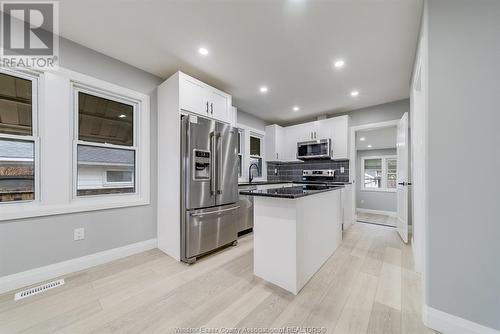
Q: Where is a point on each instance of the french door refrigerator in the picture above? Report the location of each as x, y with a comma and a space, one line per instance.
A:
209, 186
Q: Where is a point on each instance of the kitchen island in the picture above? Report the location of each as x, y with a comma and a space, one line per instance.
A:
296, 229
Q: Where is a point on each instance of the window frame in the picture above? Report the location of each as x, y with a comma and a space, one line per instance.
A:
246, 133
77, 88
54, 187
383, 159
34, 77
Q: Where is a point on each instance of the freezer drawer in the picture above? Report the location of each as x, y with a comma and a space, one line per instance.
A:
208, 229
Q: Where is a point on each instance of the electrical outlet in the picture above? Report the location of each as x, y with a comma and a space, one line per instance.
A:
342, 170
79, 233
276, 171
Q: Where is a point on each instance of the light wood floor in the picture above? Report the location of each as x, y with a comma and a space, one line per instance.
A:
367, 286
376, 219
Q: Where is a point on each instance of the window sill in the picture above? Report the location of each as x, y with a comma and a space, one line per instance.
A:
11, 211
380, 190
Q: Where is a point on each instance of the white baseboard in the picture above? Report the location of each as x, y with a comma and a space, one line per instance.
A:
378, 212
448, 323
32, 276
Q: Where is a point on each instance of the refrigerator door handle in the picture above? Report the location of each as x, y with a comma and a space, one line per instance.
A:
218, 142
214, 212
212, 163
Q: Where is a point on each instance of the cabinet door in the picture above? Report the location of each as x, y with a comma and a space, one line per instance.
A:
219, 106
273, 143
340, 137
193, 96
323, 129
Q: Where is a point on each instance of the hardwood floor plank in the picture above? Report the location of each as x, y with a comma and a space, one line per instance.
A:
356, 313
384, 320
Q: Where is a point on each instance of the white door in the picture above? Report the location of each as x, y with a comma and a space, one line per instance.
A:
402, 187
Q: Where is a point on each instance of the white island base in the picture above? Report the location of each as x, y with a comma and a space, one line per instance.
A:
293, 238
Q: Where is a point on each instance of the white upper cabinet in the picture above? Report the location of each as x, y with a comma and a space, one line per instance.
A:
274, 143
340, 136
193, 95
200, 98
220, 105
281, 143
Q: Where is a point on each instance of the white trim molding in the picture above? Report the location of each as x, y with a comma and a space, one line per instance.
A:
32, 276
378, 212
448, 323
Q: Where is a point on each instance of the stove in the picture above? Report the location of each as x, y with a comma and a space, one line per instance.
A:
322, 176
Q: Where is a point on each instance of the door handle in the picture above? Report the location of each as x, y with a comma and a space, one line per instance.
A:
404, 183
212, 108
218, 143
214, 212
212, 162
207, 107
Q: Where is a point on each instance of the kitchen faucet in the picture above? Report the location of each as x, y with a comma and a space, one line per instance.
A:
250, 177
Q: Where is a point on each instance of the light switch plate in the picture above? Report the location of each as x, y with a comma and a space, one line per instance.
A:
79, 234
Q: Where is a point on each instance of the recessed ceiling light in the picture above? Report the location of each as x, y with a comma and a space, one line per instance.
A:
369, 146
354, 93
122, 116
362, 139
203, 51
339, 63
263, 89
296, 108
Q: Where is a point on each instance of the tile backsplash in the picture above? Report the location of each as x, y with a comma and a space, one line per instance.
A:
292, 171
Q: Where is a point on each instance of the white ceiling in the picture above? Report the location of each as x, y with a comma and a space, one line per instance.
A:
288, 45
377, 138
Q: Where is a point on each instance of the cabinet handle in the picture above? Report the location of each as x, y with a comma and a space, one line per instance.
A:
207, 107
212, 108
276, 155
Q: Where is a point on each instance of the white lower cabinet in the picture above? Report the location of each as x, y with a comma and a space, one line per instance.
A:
347, 206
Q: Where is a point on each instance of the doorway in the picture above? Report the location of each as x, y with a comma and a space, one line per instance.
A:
376, 189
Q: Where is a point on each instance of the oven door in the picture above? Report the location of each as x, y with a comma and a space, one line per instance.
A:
315, 149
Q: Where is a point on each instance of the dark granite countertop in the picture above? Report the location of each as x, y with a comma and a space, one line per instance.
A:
291, 192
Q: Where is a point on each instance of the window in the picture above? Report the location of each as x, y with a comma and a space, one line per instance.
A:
392, 168
106, 153
379, 173
17, 137
373, 173
255, 155
240, 153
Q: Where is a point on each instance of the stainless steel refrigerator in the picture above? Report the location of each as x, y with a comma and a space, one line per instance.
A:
209, 186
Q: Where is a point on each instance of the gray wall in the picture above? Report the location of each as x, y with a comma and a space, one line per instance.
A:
463, 232
250, 120
379, 113
374, 200
373, 114
31, 243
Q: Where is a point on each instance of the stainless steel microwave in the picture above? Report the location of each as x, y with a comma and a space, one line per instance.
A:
315, 149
